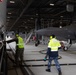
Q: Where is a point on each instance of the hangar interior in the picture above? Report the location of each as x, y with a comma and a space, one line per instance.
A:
22, 14
25, 16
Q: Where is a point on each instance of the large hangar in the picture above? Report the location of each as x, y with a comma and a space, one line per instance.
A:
22, 14
39, 18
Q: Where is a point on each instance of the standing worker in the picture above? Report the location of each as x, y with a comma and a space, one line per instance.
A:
19, 49
52, 53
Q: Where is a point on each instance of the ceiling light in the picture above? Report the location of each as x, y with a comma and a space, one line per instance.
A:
8, 17
51, 4
12, 1
36, 14
31, 18
9, 13
61, 16
60, 26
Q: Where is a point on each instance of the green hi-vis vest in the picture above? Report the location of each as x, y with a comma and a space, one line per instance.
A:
54, 44
20, 42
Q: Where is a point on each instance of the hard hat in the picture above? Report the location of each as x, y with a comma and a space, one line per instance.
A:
17, 35
51, 37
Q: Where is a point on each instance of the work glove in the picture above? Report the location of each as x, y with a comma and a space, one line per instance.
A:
44, 59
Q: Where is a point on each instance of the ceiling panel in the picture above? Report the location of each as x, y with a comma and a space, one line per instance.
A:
21, 14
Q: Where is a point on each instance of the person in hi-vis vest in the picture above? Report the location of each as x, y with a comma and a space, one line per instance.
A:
52, 53
19, 49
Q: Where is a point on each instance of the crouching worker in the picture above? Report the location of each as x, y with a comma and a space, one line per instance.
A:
52, 53
19, 50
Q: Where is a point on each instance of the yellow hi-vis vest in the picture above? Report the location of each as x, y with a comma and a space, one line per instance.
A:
54, 44
20, 42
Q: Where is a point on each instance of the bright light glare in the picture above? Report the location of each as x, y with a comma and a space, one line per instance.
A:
12, 1
51, 4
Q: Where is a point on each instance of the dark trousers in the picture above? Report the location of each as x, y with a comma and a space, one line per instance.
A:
56, 63
19, 55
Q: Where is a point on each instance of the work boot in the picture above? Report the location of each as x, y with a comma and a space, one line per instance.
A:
48, 70
59, 72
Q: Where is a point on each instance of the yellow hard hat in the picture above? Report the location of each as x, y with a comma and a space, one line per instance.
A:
17, 35
51, 37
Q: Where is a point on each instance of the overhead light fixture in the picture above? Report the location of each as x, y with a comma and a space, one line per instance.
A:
36, 14
8, 17
12, 1
51, 4
61, 16
60, 26
9, 13
31, 18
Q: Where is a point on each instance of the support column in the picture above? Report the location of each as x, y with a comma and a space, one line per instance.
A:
37, 27
3, 5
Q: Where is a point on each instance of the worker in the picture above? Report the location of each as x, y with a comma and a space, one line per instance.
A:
19, 49
52, 53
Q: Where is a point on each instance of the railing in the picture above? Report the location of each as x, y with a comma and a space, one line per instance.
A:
3, 59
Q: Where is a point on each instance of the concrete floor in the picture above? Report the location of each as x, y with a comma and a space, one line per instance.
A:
68, 60
12, 68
